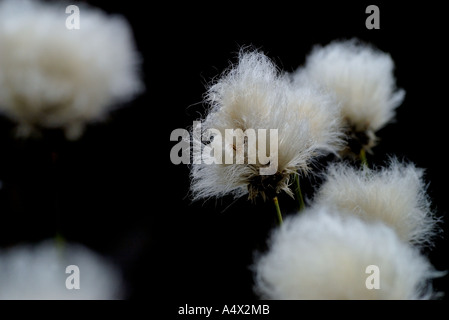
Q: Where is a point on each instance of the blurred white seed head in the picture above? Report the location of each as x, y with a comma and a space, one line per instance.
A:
362, 77
322, 255
395, 194
38, 272
254, 95
53, 77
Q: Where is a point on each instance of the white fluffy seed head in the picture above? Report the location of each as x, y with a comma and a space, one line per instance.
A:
395, 194
254, 95
53, 77
320, 254
38, 272
322, 111
362, 77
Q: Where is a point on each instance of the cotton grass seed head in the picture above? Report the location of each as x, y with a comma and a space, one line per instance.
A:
38, 272
321, 254
395, 194
53, 77
362, 77
255, 95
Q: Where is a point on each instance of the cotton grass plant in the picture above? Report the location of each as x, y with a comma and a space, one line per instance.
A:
52, 77
359, 216
395, 194
37, 271
254, 94
362, 78
323, 254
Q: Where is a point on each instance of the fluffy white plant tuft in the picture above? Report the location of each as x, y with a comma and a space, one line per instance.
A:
362, 77
53, 77
38, 272
322, 255
395, 194
254, 94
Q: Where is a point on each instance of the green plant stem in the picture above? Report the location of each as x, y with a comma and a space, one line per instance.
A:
299, 193
362, 157
278, 210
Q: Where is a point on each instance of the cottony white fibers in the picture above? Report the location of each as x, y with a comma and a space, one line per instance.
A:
362, 79
395, 194
254, 95
322, 112
53, 77
320, 255
38, 272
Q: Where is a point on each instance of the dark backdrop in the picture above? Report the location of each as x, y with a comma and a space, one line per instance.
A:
116, 191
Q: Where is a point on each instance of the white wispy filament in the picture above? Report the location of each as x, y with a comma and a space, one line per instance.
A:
38, 272
395, 194
254, 95
362, 77
322, 255
53, 77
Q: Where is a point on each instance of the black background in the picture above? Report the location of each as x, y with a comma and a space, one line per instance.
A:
116, 191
